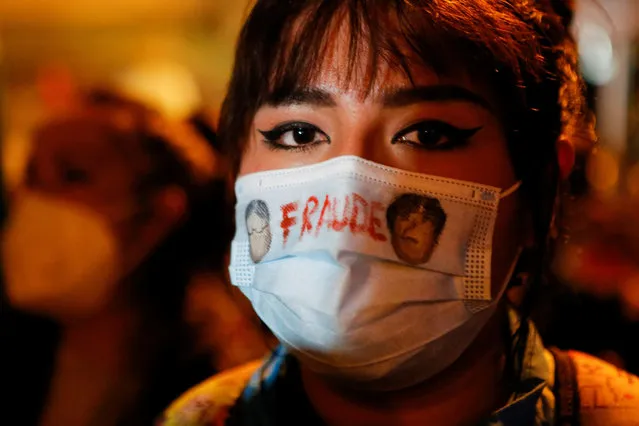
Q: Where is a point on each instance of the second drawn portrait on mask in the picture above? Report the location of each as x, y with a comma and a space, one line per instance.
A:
415, 223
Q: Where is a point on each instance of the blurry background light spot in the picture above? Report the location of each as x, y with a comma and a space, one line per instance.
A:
596, 53
16, 148
167, 86
602, 170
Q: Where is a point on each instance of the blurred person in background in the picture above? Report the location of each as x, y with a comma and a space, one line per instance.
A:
117, 211
337, 108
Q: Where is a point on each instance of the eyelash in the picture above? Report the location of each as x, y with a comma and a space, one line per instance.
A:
272, 138
455, 137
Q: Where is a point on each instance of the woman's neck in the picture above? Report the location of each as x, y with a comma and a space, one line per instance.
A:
472, 388
93, 365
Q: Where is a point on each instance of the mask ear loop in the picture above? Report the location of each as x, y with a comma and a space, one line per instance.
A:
510, 190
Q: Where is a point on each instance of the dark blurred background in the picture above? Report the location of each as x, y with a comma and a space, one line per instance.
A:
176, 55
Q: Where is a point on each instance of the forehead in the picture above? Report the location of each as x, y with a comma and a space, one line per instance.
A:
254, 216
412, 215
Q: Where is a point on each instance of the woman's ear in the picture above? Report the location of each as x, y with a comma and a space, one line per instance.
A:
565, 157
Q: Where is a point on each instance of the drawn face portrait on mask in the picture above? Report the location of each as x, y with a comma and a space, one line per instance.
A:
415, 223
258, 228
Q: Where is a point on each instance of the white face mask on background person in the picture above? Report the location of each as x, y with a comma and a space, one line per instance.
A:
59, 258
372, 275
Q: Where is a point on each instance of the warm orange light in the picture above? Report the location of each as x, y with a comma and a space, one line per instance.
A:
603, 170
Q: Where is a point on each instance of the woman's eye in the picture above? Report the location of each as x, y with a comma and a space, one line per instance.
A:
434, 134
294, 136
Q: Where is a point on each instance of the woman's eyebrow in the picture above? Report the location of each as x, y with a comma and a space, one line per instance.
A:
306, 96
404, 96
390, 98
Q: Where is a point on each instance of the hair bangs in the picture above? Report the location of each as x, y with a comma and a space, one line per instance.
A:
285, 45
444, 36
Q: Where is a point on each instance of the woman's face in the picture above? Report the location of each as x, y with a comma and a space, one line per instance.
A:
413, 237
77, 161
443, 125
80, 163
259, 236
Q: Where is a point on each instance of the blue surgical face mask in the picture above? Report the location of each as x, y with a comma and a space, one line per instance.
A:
368, 274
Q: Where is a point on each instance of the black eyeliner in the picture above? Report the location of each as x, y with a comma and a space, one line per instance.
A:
271, 137
456, 136
277, 131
